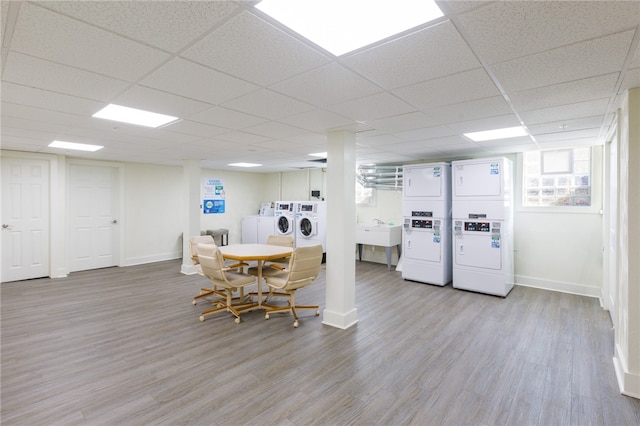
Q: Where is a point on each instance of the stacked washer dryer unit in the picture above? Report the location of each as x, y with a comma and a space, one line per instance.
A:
311, 220
426, 210
285, 217
483, 225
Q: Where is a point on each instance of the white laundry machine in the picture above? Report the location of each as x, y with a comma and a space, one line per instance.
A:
285, 218
483, 225
426, 233
311, 219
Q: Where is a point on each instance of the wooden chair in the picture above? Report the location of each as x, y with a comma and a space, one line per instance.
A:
223, 277
303, 269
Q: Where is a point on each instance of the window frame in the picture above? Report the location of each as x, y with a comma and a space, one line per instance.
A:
595, 185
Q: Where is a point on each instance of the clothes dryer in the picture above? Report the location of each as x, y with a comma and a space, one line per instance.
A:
426, 233
483, 225
285, 217
311, 219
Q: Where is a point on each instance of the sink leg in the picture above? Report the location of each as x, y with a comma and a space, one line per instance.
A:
388, 258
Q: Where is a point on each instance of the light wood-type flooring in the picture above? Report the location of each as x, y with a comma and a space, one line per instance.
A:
123, 346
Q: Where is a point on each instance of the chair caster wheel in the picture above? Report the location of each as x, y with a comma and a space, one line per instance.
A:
266, 316
237, 320
317, 312
193, 302
201, 317
295, 324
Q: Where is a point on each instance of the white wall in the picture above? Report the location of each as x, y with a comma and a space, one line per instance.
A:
152, 215
244, 194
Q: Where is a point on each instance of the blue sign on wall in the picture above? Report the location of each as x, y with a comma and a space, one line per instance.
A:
213, 206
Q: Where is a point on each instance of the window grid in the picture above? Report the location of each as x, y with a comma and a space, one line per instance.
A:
559, 189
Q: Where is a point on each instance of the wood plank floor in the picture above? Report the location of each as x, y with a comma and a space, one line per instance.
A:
123, 346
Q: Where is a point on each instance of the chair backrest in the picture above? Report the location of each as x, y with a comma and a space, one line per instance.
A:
304, 265
280, 240
193, 245
211, 261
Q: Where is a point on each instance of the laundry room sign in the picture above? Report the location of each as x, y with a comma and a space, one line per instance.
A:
213, 196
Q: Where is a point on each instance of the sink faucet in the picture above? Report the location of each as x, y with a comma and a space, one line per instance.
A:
378, 221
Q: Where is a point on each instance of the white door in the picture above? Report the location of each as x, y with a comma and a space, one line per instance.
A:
422, 182
92, 216
422, 245
25, 219
478, 179
478, 250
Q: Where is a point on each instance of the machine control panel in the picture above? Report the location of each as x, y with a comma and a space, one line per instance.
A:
306, 208
421, 224
421, 214
477, 226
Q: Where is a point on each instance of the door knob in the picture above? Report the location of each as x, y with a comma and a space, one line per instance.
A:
114, 221
5, 226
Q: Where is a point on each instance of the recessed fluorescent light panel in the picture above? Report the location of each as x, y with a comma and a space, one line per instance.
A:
489, 135
319, 154
341, 26
244, 165
75, 146
133, 116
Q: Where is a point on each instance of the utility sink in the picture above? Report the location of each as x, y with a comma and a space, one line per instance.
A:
378, 234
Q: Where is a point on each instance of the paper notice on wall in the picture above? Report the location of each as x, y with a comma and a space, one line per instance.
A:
213, 196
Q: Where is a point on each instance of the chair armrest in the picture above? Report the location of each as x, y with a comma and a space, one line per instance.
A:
236, 266
276, 266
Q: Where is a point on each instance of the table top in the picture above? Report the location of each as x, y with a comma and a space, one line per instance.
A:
254, 251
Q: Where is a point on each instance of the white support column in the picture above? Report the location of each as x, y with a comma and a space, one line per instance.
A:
191, 178
340, 308
627, 333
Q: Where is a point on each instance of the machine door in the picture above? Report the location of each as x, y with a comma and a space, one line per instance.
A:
479, 249
423, 182
307, 228
284, 225
477, 179
422, 245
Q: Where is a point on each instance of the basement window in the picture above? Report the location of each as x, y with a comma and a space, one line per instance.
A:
557, 178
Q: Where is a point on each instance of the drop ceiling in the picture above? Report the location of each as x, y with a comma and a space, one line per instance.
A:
249, 90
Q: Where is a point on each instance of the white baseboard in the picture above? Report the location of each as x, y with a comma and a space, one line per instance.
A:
560, 286
339, 320
151, 259
628, 383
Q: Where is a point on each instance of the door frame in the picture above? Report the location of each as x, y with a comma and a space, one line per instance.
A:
119, 246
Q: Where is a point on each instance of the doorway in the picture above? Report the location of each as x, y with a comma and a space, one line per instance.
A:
25, 219
93, 217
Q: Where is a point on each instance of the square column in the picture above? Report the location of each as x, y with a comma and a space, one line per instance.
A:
340, 311
191, 177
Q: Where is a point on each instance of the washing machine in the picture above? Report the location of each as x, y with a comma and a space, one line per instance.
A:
285, 218
311, 219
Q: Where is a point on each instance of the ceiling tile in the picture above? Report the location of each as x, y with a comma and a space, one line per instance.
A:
427, 54
511, 29
152, 22
269, 104
194, 128
576, 124
565, 112
317, 121
159, 102
489, 123
452, 89
195, 81
425, 133
226, 118
466, 111
372, 107
37, 73
568, 135
276, 130
252, 49
326, 85
595, 57
565, 93
38, 98
398, 123
57, 38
